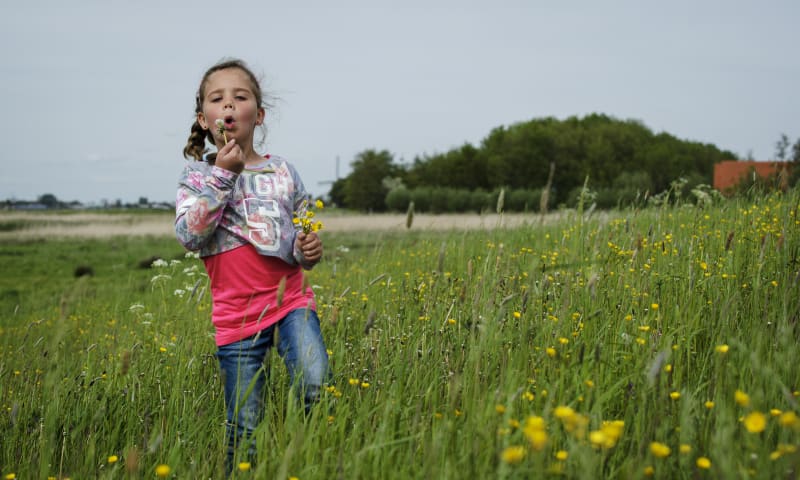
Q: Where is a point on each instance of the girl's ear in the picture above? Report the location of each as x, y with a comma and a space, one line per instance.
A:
260, 115
201, 119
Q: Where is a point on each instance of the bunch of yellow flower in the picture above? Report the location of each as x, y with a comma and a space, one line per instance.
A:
305, 217
573, 422
536, 432
607, 435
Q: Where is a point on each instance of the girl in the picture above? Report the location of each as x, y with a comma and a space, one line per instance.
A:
236, 209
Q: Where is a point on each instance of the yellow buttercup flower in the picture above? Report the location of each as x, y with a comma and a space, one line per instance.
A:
741, 398
704, 463
528, 396
244, 466
755, 422
789, 419
113, 459
513, 455
564, 413
659, 450
598, 438
163, 471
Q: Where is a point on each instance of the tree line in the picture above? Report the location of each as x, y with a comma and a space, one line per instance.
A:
533, 164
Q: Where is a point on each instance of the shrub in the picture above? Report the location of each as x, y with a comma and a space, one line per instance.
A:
397, 199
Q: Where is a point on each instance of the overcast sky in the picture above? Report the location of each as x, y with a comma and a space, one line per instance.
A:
99, 94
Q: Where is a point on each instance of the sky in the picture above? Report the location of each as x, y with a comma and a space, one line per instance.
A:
100, 94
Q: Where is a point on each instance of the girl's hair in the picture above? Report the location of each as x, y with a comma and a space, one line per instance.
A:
196, 146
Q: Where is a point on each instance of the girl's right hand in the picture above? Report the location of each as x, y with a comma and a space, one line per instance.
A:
230, 157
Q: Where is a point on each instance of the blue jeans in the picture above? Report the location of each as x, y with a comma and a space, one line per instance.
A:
244, 372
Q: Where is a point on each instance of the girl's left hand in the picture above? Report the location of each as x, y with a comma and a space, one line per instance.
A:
310, 245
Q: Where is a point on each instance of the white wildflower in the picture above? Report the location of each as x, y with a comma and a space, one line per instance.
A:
179, 292
158, 263
136, 307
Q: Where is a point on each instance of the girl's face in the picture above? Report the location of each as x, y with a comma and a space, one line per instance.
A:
228, 96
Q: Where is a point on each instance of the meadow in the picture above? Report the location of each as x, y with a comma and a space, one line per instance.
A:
652, 343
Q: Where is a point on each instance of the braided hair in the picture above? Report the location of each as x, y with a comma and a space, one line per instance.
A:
196, 145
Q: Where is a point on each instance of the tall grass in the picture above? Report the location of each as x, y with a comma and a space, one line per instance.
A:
649, 343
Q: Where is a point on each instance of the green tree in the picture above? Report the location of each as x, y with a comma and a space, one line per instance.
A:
49, 200
781, 148
364, 188
336, 193
518, 157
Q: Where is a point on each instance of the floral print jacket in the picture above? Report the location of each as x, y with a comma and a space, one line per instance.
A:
218, 210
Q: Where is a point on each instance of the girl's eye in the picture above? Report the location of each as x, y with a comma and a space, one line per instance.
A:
241, 97
215, 99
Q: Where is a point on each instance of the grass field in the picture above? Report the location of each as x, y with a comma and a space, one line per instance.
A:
660, 343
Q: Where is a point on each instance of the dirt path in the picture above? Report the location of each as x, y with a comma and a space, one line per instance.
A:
99, 225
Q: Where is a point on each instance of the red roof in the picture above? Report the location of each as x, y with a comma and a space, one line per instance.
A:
729, 173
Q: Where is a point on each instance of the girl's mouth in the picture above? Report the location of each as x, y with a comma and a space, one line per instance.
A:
229, 122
